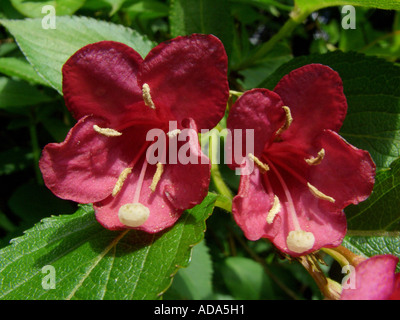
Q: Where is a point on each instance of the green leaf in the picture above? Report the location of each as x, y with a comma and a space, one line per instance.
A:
246, 279
15, 67
202, 16
195, 281
33, 8
313, 5
15, 94
91, 262
371, 86
369, 246
380, 212
48, 49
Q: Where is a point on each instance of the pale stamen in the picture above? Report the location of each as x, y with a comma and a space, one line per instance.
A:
312, 189
157, 176
298, 240
313, 161
135, 214
276, 207
318, 194
288, 121
106, 131
148, 101
262, 166
173, 133
121, 179
291, 208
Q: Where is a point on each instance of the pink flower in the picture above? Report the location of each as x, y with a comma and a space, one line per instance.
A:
375, 279
304, 172
117, 98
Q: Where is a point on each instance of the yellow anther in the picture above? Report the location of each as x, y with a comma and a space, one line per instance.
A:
276, 207
133, 214
262, 166
300, 241
157, 176
148, 101
317, 160
173, 133
318, 194
288, 121
106, 131
121, 179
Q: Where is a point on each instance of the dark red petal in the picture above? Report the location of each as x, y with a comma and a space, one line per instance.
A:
314, 94
100, 79
325, 221
186, 184
251, 206
187, 77
346, 173
85, 167
162, 212
257, 109
374, 279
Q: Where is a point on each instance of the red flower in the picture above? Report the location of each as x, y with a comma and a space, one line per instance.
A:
117, 97
375, 279
304, 173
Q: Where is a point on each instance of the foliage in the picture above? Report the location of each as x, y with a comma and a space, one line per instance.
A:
264, 40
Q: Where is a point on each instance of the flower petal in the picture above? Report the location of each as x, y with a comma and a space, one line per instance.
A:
346, 173
314, 94
187, 77
85, 167
186, 183
375, 278
320, 217
100, 79
257, 109
162, 212
250, 208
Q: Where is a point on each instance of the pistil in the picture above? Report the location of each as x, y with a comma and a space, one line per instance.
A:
298, 240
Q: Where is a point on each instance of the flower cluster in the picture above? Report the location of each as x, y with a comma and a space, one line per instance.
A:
304, 174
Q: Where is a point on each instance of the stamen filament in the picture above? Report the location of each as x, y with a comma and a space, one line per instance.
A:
315, 192
106, 131
140, 182
291, 208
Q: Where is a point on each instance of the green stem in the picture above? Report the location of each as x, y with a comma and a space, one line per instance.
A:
296, 17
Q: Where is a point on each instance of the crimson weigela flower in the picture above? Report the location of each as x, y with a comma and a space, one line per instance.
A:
304, 172
375, 279
117, 98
